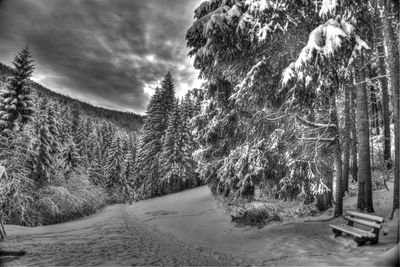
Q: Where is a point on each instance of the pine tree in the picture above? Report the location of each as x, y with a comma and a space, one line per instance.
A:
16, 100
80, 140
75, 117
157, 113
65, 125
42, 147
127, 175
167, 98
177, 166
70, 159
107, 131
93, 145
188, 145
53, 126
97, 170
114, 161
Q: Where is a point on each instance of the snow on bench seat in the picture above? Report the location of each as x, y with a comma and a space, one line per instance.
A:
353, 231
363, 222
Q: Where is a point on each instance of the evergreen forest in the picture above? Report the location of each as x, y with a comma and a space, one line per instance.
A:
300, 103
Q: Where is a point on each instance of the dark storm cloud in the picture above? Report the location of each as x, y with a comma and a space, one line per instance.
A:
106, 52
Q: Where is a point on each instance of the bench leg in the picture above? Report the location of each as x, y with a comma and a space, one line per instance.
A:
337, 232
376, 239
360, 241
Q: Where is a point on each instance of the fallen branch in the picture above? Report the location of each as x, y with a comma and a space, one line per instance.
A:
322, 220
12, 253
316, 139
274, 119
368, 80
315, 124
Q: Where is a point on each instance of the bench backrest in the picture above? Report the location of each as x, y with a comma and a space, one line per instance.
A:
357, 217
366, 216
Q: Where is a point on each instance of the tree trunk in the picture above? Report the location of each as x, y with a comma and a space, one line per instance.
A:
337, 163
347, 141
385, 107
354, 163
374, 109
384, 87
364, 201
392, 58
396, 193
324, 201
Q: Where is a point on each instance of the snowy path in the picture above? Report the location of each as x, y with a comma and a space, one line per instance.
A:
110, 238
183, 229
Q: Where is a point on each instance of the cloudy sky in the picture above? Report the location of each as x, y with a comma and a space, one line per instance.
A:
111, 53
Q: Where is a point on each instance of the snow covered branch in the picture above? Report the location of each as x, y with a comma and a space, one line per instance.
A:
315, 124
318, 139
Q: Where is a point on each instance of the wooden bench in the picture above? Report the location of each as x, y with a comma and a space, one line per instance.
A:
360, 236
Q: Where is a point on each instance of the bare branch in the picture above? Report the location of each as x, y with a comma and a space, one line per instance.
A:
316, 139
274, 119
378, 77
315, 124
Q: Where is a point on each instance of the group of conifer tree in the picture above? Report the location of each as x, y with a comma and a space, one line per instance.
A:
164, 158
51, 149
61, 163
296, 92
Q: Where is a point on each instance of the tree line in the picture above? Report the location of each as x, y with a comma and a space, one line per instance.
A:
165, 151
63, 159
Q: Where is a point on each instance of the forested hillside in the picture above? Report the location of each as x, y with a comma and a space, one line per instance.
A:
64, 158
127, 120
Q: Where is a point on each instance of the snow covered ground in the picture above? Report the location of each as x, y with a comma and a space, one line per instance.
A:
189, 228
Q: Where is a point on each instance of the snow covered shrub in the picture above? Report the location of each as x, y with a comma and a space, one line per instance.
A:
91, 198
259, 214
17, 200
17, 190
301, 211
57, 204
115, 195
75, 199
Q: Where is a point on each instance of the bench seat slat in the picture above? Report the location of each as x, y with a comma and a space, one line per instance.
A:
365, 216
363, 222
353, 231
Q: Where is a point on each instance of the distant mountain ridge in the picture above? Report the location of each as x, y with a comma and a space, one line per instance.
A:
127, 120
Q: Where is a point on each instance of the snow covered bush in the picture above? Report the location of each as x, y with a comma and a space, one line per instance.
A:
17, 190
75, 199
17, 200
259, 214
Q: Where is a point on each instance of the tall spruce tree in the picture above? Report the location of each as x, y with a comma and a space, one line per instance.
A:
167, 98
177, 165
98, 168
115, 160
158, 111
16, 100
53, 126
127, 176
70, 159
42, 146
